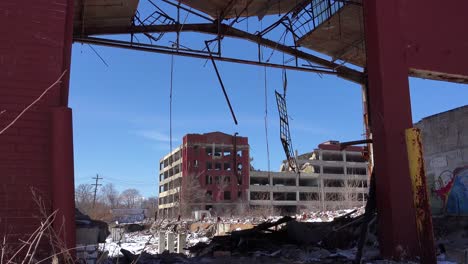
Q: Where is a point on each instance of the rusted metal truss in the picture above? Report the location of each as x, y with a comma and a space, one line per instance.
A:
148, 32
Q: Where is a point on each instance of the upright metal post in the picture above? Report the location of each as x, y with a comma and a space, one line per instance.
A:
390, 108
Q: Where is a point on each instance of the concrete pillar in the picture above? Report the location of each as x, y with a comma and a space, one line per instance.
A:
161, 242
170, 242
181, 243
322, 192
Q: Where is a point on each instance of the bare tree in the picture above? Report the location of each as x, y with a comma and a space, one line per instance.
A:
191, 194
84, 197
110, 195
131, 198
151, 205
222, 182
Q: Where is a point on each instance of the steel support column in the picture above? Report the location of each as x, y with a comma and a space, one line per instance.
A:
390, 115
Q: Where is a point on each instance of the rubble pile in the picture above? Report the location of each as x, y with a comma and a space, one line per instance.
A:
305, 238
289, 239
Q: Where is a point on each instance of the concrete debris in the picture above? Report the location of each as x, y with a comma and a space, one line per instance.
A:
288, 239
305, 238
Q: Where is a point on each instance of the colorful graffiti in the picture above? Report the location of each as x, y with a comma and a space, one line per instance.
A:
452, 188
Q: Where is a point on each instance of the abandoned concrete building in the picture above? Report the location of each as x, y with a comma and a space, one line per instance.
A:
330, 178
445, 148
207, 171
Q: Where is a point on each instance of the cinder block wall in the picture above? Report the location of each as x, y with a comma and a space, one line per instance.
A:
35, 45
445, 143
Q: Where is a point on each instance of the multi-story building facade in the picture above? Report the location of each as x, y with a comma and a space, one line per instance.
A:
330, 178
207, 171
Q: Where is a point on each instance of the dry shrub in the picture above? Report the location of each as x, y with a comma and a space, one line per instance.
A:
45, 235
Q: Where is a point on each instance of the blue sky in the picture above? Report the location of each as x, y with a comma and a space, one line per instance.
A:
121, 112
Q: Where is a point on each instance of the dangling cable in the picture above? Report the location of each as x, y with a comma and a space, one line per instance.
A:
266, 120
170, 103
266, 111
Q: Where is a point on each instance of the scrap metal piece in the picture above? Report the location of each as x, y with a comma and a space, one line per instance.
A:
285, 136
420, 195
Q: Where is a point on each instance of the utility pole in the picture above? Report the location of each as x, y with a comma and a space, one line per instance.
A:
95, 187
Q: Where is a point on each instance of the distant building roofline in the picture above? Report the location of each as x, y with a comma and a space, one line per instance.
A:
442, 113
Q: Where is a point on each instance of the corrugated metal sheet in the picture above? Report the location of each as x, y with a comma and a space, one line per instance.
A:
92, 14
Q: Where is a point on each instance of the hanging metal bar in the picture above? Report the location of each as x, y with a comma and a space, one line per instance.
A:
221, 83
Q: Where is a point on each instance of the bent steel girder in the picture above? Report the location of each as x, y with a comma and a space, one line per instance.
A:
221, 30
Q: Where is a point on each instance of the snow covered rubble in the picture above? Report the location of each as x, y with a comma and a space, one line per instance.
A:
147, 240
212, 248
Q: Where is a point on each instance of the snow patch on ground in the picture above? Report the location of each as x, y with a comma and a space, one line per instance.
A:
135, 242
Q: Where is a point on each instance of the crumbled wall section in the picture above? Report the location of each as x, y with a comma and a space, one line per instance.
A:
445, 143
35, 45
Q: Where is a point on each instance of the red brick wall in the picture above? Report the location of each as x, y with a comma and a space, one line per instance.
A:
35, 45
190, 154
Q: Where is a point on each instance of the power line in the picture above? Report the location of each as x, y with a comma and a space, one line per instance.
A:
95, 187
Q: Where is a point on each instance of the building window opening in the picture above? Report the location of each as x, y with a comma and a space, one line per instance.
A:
208, 179
209, 151
356, 171
209, 166
260, 196
239, 166
239, 179
284, 182
333, 183
218, 166
308, 182
334, 197
227, 166
357, 183
227, 179
333, 170
227, 153
355, 157
209, 195
258, 181
217, 152
309, 196
284, 196
195, 163
239, 153
227, 195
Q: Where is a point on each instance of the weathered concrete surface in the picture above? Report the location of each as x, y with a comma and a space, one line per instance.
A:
445, 146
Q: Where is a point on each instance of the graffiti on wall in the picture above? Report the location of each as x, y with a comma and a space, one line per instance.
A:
452, 189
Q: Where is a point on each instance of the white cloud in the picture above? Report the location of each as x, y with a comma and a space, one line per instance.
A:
155, 135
